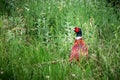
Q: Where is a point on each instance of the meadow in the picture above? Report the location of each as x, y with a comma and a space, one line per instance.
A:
36, 37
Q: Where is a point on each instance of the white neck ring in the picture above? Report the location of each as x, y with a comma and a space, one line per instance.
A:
78, 38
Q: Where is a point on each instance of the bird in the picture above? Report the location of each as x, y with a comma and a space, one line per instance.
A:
79, 47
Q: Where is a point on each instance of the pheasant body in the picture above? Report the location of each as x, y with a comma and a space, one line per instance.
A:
79, 48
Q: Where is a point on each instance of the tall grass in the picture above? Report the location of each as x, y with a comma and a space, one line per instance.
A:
37, 37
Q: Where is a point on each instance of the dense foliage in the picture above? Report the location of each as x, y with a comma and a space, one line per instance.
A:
36, 37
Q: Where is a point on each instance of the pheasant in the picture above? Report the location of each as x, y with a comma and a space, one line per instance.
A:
79, 48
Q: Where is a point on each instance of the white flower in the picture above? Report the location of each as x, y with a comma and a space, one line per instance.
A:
1, 72
73, 75
47, 76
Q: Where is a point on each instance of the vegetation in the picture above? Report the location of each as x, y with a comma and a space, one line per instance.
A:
36, 37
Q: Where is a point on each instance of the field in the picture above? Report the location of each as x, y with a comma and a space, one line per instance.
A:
36, 37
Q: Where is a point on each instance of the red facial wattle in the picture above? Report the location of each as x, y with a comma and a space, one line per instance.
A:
76, 29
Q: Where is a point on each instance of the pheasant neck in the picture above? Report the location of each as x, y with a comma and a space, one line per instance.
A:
78, 37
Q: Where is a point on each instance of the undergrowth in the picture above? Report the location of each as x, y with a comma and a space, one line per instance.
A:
36, 39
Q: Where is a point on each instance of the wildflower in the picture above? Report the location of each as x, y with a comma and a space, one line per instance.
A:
47, 76
1, 72
73, 75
